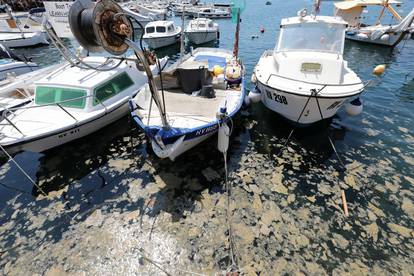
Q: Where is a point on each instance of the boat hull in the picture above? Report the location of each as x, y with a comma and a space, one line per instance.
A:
201, 37
68, 134
160, 42
391, 41
16, 67
290, 105
209, 15
178, 144
17, 41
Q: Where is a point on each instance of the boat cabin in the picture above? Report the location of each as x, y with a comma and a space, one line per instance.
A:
160, 28
86, 90
320, 34
201, 24
310, 49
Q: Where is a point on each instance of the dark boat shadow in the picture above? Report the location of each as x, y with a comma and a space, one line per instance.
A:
195, 171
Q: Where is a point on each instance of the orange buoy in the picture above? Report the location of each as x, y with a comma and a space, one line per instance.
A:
379, 69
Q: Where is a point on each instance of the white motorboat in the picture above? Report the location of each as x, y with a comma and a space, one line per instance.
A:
202, 30
209, 12
195, 103
159, 34
70, 103
387, 35
305, 78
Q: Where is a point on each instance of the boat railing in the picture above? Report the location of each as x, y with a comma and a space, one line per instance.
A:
8, 111
313, 83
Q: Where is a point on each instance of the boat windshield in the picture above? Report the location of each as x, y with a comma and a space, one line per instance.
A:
312, 37
67, 97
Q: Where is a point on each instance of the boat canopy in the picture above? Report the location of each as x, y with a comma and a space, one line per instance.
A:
351, 10
351, 4
320, 34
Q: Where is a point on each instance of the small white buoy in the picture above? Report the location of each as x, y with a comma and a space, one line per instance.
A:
354, 107
247, 101
223, 138
254, 96
385, 37
362, 36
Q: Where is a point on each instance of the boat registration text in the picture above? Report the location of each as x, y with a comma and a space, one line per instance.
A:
276, 97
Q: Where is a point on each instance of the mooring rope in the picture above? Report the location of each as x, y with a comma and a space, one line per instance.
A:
234, 253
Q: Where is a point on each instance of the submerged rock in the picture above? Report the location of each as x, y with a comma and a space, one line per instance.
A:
372, 231
95, 219
399, 229
210, 174
339, 241
408, 207
377, 211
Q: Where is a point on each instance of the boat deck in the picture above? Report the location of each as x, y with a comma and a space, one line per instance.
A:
187, 111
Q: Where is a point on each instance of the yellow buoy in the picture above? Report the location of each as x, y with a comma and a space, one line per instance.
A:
379, 69
217, 70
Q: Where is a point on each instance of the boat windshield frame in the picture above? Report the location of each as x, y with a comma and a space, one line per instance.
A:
336, 46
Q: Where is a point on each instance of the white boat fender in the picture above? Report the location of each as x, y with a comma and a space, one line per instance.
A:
254, 78
223, 131
385, 37
223, 138
254, 96
354, 107
362, 36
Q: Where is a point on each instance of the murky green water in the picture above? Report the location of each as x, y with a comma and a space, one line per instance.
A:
114, 209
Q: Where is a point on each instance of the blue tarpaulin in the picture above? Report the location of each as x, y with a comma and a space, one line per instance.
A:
212, 60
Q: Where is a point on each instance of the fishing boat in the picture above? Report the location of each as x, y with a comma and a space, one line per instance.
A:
11, 64
159, 34
195, 102
377, 33
70, 103
202, 30
305, 78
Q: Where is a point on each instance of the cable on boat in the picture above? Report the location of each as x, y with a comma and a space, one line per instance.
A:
72, 58
23, 171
